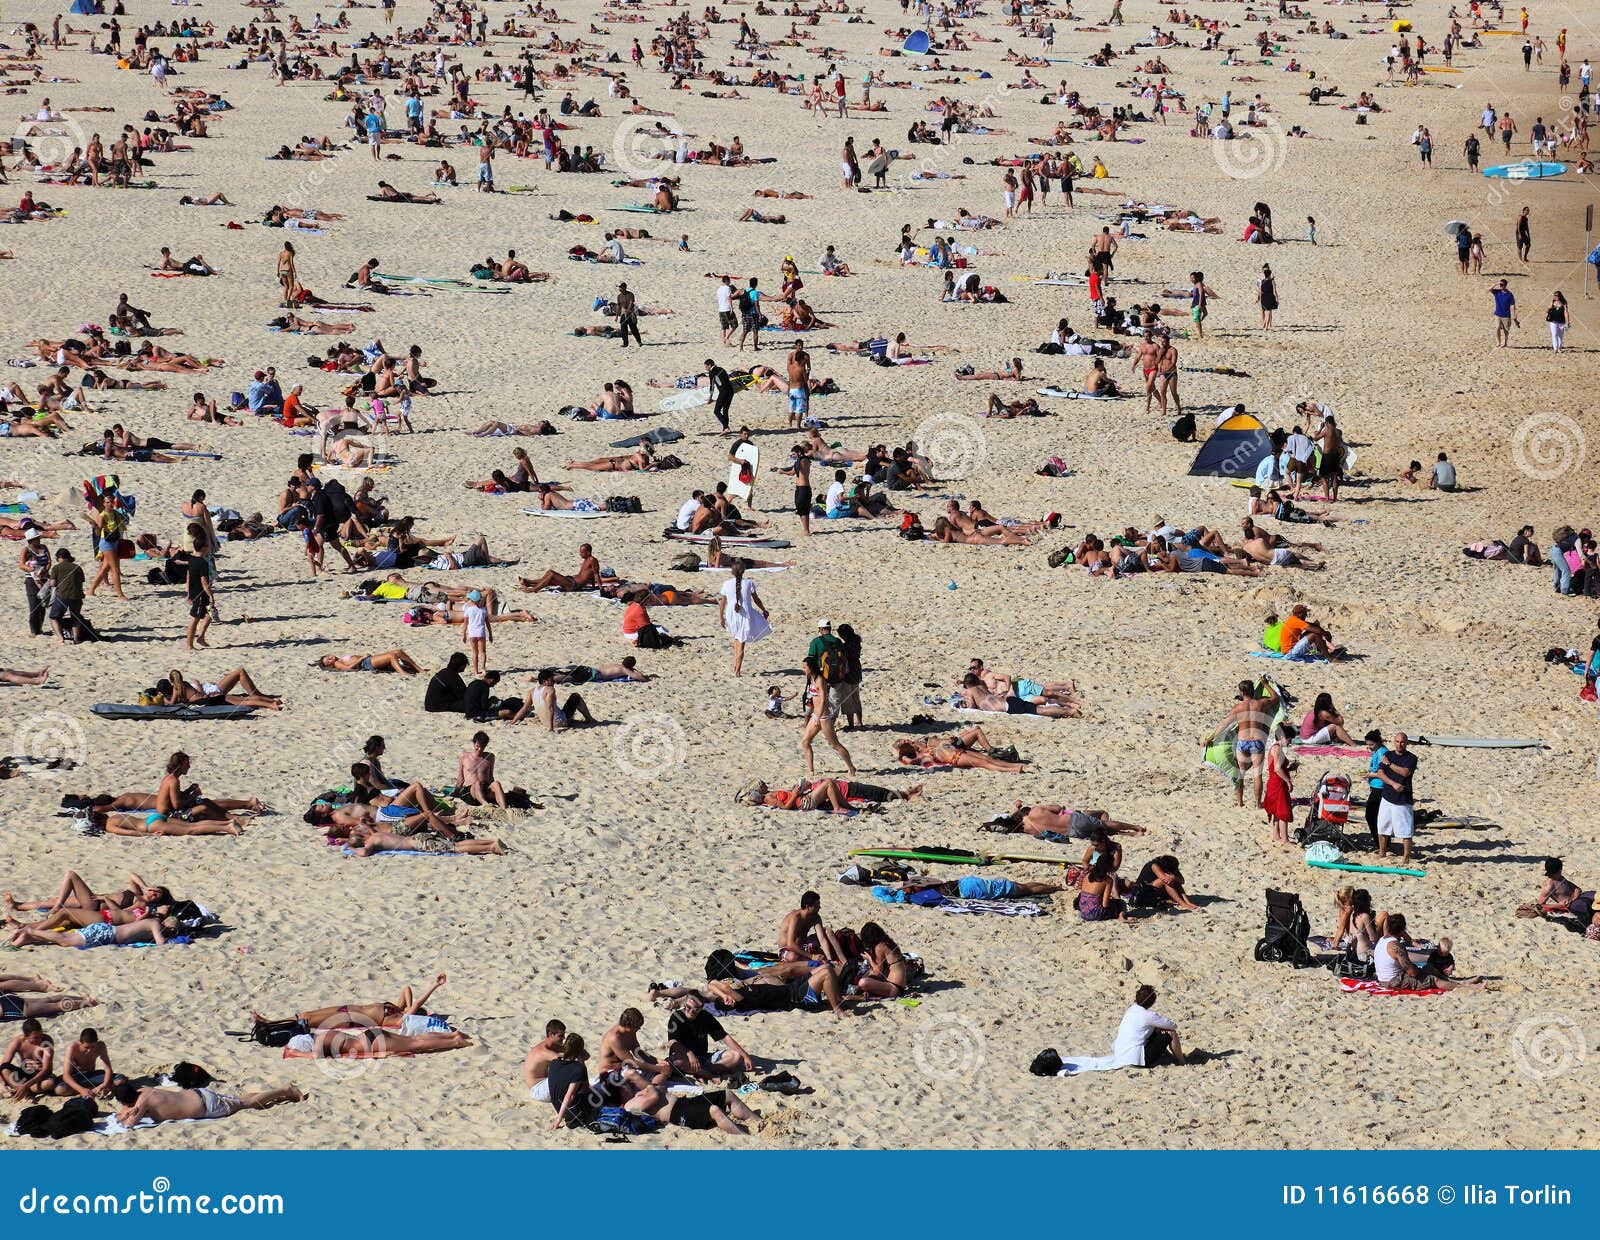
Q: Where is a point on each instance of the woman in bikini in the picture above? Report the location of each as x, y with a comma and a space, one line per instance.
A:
395, 660
970, 751
889, 974
383, 1015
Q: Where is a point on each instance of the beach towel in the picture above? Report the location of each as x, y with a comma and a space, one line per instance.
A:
1074, 1065
1352, 985
347, 851
990, 908
1329, 751
1277, 654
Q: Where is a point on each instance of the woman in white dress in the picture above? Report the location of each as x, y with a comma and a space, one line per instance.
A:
742, 613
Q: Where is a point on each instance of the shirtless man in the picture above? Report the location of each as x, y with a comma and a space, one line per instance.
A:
975, 696
800, 468
621, 1057
1023, 686
1252, 715
1059, 823
799, 368
797, 927
1145, 360
475, 774
1262, 548
536, 1065
586, 578
1167, 376
162, 1105
581, 674
79, 1074
410, 812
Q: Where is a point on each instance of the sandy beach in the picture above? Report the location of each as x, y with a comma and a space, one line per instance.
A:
640, 863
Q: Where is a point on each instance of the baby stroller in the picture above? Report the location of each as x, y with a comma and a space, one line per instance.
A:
1328, 814
1287, 927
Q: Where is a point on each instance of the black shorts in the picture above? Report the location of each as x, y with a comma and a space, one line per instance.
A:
199, 606
12, 1007
695, 1112
802, 501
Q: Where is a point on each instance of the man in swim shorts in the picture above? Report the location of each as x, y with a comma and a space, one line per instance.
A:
164, 1105
536, 1067
1250, 715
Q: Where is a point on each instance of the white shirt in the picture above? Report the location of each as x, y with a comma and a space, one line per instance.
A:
1384, 965
686, 513
1268, 473
724, 299
614, 248
1137, 1025
835, 496
477, 619
1300, 447
1444, 474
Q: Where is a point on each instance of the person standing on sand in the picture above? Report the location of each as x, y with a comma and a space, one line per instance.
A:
799, 467
799, 367
1505, 313
1524, 236
1396, 816
750, 316
741, 613
287, 277
1249, 716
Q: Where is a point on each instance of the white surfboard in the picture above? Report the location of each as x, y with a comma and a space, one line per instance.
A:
742, 472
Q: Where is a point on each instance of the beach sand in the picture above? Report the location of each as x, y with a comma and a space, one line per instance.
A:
640, 864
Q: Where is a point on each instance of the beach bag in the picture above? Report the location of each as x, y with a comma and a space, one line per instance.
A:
624, 503
1046, 1063
721, 965
274, 1033
1060, 556
831, 661
911, 528
190, 1076
616, 1121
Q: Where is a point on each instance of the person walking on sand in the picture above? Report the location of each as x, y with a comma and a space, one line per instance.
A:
1267, 295
108, 523
1524, 236
741, 613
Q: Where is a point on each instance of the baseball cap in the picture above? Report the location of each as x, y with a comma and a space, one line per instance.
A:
824, 623
475, 596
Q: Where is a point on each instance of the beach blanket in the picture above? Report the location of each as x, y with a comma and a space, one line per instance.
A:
1352, 985
1074, 1065
1277, 654
1329, 751
347, 851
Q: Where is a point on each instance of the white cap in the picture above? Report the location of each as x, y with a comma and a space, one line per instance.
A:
824, 623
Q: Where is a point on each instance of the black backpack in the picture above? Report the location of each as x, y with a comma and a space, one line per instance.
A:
721, 966
624, 503
274, 1033
1046, 1063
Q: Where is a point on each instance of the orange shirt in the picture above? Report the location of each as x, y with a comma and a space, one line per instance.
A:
1293, 628
634, 618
